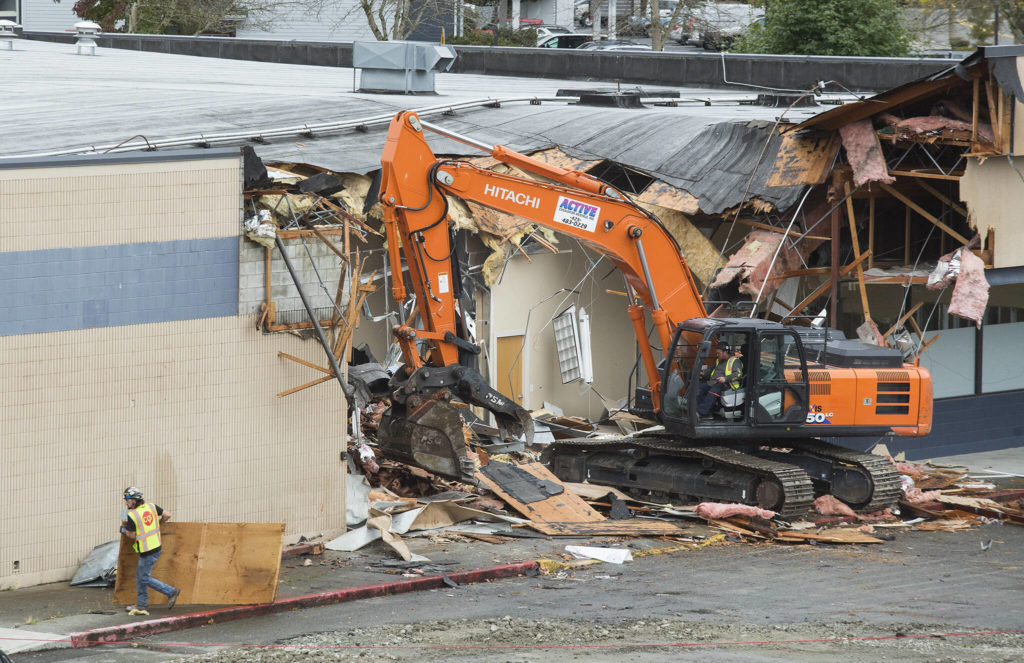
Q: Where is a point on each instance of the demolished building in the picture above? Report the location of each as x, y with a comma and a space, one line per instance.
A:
754, 194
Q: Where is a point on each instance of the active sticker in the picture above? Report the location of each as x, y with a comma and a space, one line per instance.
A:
577, 214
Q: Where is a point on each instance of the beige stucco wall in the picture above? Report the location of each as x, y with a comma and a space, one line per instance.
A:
994, 193
184, 410
523, 287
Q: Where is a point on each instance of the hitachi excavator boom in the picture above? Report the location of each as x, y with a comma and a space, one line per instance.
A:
758, 446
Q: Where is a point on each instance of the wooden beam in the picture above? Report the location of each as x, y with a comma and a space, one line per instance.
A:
920, 210
312, 383
871, 231
974, 110
928, 175
329, 243
856, 249
902, 319
993, 113
826, 285
906, 235
765, 226
935, 192
305, 363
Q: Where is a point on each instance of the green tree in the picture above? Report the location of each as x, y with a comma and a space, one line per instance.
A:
828, 27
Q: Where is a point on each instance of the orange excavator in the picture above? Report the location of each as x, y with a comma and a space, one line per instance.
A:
789, 386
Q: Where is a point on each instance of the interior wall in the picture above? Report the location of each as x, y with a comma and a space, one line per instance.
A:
994, 193
527, 298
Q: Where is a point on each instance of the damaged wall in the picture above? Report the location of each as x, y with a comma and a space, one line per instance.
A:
164, 386
994, 192
521, 295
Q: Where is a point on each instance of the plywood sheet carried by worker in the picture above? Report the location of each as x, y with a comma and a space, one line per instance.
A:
212, 564
632, 527
804, 158
565, 507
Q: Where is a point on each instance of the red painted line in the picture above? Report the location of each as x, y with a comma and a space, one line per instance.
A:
111, 634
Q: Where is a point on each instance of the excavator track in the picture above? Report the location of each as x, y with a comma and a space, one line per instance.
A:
884, 478
792, 483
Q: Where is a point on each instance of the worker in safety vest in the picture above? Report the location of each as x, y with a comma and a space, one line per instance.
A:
727, 373
142, 525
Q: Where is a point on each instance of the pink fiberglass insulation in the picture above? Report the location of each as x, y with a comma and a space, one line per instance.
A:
915, 495
970, 294
934, 123
827, 505
750, 264
864, 153
716, 511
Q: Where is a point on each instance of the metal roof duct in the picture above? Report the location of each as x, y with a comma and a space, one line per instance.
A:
400, 66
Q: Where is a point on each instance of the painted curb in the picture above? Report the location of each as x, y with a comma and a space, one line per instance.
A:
123, 632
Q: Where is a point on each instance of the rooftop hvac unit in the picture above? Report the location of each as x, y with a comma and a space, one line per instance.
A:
403, 67
8, 34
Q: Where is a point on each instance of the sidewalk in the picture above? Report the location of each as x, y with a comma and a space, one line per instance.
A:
46, 616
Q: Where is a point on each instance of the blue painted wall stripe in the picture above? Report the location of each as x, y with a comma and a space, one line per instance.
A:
120, 284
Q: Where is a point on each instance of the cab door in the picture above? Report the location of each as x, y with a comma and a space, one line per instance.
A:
781, 393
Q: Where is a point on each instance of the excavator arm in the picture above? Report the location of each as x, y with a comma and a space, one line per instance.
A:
414, 184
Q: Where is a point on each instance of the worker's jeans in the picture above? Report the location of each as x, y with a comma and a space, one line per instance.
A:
709, 394
143, 581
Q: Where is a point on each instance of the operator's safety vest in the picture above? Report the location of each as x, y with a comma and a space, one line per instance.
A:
147, 528
730, 379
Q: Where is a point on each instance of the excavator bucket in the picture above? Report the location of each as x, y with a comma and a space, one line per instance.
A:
429, 431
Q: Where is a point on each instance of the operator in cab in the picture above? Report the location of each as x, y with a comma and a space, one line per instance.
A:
727, 373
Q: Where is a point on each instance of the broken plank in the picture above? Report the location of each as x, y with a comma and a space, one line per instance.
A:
829, 536
566, 507
803, 158
631, 527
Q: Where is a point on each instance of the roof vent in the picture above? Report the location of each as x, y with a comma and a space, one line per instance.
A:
611, 99
7, 34
785, 100
86, 31
400, 66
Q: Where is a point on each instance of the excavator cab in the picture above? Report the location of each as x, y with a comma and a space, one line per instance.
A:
730, 377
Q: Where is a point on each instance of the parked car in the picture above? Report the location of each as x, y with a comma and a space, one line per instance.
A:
523, 23
613, 45
721, 23
571, 40
544, 30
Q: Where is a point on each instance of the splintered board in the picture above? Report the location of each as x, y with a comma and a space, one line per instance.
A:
631, 527
804, 158
566, 507
212, 564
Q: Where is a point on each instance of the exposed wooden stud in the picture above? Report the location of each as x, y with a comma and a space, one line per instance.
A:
312, 383
920, 210
834, 299
927, 174
902, 319
856, 249
946, 199
330, 244
993, 113
906, 235
974, 110
826, 285
308, 364
871, 231
1004, 121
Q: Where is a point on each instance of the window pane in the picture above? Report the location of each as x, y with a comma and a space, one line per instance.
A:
951, 362
1003, 358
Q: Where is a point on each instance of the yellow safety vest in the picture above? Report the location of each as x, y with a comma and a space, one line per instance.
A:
147, 528
732, 380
